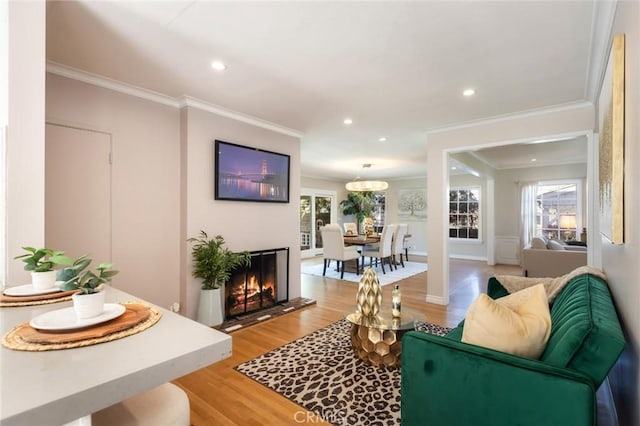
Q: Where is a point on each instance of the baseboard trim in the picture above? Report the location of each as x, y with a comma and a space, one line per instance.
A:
465, 257
438, 300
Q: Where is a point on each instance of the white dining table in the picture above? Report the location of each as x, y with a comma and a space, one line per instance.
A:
60, 386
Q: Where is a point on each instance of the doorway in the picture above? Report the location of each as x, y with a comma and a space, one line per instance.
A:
78, 192
317, 209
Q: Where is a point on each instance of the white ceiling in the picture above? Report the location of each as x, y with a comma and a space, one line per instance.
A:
396, 68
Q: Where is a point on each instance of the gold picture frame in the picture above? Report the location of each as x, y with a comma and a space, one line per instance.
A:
611, 145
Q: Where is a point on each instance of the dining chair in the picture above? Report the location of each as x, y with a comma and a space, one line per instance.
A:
334, 249
350, 228
382, 250
397, 246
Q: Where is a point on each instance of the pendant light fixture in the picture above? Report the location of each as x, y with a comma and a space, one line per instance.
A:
366, 185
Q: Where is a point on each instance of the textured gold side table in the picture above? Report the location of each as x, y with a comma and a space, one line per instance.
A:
377, 340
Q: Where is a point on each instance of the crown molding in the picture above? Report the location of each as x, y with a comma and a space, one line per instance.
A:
160, 98
225, 112
511, 116
111, 84
602, 25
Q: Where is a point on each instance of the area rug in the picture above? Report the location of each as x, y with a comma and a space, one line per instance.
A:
410, 269
321, 373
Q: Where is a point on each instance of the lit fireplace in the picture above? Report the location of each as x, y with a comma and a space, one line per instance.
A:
257, 286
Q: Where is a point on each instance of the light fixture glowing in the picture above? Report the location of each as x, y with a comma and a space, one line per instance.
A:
382, 139
367, 185
533, 160
454, 168
218, 66
469, 92
348, 121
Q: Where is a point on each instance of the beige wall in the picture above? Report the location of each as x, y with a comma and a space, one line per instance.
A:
543, 124
620, 262
145, 181
244, 225
25, 134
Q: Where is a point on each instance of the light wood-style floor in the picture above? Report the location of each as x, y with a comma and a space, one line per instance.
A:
221, 396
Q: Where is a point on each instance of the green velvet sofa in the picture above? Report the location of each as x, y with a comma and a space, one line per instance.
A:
448, 382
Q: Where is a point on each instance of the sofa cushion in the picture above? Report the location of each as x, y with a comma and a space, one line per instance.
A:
538, 243
518, 324
554, 245
586, 334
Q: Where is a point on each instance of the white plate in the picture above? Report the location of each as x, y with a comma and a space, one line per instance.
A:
29, 290
65, 319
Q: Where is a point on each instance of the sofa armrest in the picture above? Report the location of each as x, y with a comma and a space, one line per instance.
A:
445, 381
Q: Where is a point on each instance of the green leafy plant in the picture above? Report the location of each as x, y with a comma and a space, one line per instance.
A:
78, 277
212, 262
358, 204
43, 259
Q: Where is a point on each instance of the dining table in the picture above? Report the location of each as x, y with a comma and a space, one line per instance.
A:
55, 387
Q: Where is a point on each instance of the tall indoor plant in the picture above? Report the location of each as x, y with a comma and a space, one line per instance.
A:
213, 263
358, 204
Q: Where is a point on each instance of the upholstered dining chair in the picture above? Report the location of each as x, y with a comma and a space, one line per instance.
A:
382, 250
397, 245
350, 228
334, 249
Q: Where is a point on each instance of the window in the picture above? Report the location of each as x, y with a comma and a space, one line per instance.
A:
378, 213
558, 209
464, 213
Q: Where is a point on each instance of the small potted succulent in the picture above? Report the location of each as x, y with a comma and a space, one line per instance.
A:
213, 263
41, 263
88, 302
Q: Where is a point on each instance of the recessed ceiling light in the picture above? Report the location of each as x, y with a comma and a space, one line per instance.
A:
347, 121
382, 139
454, 168
469, 92
533, 159
218, 66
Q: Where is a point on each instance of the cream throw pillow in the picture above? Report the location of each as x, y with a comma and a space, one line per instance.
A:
518, 324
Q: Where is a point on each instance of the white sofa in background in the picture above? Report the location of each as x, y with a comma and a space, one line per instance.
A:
551, 258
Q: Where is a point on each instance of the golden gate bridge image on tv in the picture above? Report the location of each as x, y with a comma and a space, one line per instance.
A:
261, 186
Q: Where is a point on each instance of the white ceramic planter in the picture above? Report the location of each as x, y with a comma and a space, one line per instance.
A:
43, 280
210, 307
88, 305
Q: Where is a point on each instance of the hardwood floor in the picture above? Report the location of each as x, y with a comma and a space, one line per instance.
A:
221, 396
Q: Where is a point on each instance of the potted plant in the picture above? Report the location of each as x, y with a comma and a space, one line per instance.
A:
358, 204
40, 262
213, 263
88, 302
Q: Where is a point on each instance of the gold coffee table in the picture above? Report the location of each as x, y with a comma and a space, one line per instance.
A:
378, 340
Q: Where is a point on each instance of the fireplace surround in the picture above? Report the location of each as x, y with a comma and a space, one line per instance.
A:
262, 285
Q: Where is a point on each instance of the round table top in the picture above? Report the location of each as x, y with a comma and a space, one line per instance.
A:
385, 321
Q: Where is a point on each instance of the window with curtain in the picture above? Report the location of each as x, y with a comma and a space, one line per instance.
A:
558, 209
464, 213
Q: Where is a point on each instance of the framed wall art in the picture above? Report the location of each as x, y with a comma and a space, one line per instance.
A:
243, 173
412, 204
611, 145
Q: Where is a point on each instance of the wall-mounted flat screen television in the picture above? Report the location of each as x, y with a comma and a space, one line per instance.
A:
244, 173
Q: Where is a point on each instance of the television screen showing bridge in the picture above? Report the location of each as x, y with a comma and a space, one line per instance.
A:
251, 174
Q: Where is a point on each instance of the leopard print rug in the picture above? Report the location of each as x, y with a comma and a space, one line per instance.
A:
321, 373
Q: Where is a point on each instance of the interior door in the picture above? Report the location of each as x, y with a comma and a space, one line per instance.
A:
78, 192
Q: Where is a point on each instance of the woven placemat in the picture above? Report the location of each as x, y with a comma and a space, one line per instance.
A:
44, 299
14, 338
